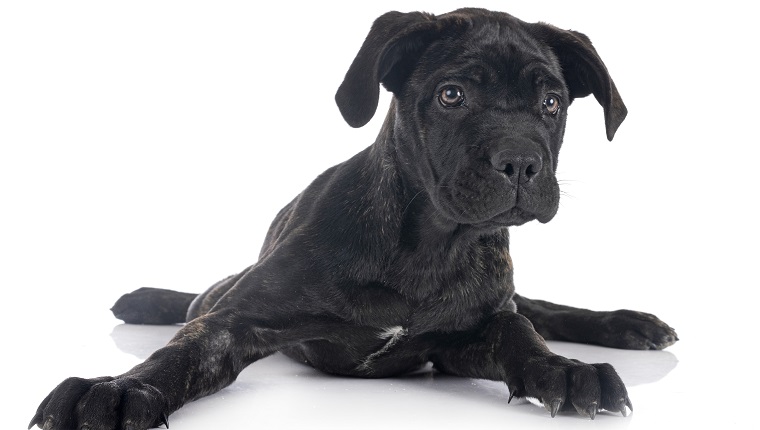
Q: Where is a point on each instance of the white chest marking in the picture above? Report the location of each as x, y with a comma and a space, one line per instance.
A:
393, 335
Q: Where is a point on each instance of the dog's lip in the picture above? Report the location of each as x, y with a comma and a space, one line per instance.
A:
512, 216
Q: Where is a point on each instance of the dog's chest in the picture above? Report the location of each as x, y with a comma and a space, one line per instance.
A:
459, 293
428, 294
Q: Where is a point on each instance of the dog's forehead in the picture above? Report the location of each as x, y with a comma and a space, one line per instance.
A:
494, 46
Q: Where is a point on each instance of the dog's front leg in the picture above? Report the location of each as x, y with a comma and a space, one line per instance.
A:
509, 349
205, 356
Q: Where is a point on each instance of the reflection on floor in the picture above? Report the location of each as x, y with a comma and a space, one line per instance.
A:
278, 392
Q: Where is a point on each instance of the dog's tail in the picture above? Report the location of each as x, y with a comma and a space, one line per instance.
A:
153, 306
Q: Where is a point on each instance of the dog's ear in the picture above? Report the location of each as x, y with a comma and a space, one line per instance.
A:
584, 72
388, 55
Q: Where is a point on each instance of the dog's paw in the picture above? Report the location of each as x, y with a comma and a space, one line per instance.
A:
636, 330
562, 384
101, 404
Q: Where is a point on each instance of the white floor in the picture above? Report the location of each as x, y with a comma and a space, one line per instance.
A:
676, 387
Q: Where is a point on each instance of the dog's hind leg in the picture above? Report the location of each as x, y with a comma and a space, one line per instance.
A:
160, 306
153, 306
618, 329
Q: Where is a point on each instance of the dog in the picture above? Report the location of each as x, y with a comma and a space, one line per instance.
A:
399, 256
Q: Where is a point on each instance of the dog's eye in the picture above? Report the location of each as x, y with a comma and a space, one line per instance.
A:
551, 104
451, 96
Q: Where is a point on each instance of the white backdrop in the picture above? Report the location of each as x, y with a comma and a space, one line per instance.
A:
149, 143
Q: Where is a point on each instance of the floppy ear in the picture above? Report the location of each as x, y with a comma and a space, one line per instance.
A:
387, 56
584, 72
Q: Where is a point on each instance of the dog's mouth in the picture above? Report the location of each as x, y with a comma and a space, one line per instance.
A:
486, 198
512, 217
501, 207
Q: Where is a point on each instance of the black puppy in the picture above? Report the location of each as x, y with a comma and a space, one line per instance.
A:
399, 256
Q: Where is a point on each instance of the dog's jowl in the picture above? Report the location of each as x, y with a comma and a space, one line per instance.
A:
400, 256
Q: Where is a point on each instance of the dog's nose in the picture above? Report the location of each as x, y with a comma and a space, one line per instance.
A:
520, 168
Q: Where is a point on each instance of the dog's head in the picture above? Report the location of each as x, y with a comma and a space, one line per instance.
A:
481, 101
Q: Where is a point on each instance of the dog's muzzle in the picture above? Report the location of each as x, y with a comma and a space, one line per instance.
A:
532, 191
511, 187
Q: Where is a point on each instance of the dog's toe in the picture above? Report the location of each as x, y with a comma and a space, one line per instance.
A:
565, 385
636, 330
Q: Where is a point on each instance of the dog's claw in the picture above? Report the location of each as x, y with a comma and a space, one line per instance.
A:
34, 422
511, 396
554, 407
592, 410
164, 420
625, 405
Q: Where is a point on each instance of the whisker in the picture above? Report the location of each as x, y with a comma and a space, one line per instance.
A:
564, 183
